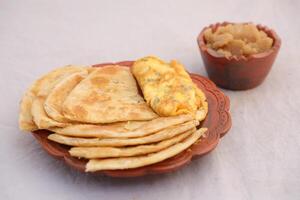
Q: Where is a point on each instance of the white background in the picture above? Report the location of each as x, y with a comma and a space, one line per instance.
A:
258, 159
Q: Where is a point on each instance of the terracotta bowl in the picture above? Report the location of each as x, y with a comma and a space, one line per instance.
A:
218, 122
238, 73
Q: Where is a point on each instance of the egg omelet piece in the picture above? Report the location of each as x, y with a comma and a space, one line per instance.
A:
168, 88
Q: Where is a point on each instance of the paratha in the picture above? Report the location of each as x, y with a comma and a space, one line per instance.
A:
40, 117
164, 134
44, 87
26, 122
122, 130
140, 161
109, 94
40, 87
107, 152
55, 99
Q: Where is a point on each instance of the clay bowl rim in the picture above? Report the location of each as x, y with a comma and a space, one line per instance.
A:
270, 32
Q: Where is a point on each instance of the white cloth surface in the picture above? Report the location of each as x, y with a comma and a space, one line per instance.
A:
258, 159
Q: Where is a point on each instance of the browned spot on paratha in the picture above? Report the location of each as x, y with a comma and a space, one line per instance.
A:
110, 70
94, 97
99, 81
80, 111
108, 94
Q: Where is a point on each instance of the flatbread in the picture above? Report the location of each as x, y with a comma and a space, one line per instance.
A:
45, 84
40, 117
122, 130
40, 87
42, 90
140, 161
55, 99
108, 152
164, 134
109, 94
26, 122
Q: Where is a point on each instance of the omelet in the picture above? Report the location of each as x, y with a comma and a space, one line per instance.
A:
168, 88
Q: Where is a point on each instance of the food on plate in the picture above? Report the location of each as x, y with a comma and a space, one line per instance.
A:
39, 91
158, 136
237, 40
40, 117
108, 94
26, 122
123, 130
101, 115
140, 161
55, 99
107, 152
168, 88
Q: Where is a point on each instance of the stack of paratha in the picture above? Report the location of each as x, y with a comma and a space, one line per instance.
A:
100, 114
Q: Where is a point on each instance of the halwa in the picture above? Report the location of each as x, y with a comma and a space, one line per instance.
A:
237, 40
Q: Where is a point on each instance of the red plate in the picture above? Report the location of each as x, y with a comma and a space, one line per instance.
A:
218, 122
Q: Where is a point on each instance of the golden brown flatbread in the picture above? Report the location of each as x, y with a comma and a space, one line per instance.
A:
41, 88
26, 122
122, 130
140, 161
40, 117
55, 99
164, 134
108, 152
109, 94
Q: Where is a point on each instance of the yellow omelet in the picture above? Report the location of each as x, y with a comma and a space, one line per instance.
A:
168, 88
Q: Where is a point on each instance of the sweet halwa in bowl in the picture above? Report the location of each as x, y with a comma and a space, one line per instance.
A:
238, 56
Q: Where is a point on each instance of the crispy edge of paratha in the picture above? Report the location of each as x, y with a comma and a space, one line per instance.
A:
119, 142
140, 161
60, 91
40, 117
109, 152
107, 131
26, 121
